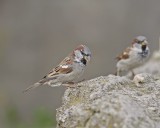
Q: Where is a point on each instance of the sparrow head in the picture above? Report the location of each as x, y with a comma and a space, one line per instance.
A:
141, 43
82, 54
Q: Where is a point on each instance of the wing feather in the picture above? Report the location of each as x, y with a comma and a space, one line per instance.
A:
124, 54
63, 68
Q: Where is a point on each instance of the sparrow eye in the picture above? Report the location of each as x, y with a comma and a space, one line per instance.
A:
139, 42
84, 54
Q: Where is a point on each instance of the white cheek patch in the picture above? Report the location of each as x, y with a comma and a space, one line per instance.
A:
137, 46
77, 60
78, 54
64, 66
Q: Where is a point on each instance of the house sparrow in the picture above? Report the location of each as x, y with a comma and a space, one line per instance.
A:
133, 56
71, 68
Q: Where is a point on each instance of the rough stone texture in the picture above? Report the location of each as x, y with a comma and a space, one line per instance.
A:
112, 102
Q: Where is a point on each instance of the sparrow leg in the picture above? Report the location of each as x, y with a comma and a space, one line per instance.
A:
118, 72
133, 74
69, 84
72, 84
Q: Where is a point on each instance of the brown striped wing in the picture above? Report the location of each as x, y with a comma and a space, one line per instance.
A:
124, 54
63, 68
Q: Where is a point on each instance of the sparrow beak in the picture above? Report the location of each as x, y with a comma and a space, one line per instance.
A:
144, 45
144, 42
87, 58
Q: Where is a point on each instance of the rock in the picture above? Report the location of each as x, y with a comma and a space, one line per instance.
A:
111, 102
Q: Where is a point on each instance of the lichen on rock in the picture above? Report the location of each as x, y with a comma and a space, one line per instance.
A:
111, 102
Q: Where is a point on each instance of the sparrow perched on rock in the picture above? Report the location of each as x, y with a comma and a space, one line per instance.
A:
71, 68
133, 56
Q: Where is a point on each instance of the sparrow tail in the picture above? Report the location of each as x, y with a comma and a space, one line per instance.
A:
32, 87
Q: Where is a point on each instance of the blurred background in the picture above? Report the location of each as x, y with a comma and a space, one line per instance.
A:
35, 35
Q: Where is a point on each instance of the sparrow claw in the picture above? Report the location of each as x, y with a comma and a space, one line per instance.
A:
69, 84
72, 84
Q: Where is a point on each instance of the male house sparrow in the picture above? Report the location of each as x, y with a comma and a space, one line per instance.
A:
71, 68
133, 56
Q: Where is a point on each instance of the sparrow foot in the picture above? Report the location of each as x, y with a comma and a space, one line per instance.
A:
70, 84
73, 84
